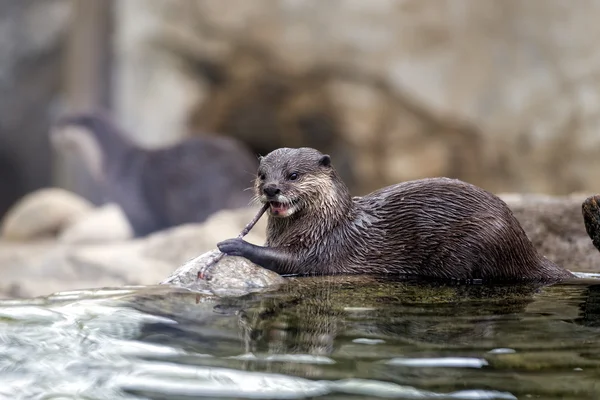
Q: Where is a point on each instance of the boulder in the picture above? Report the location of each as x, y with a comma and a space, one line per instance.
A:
178, 245
43, 213
106, 223
555, 226
229, 276
83, 259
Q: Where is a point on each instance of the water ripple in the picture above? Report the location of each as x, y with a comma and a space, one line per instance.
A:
313, 338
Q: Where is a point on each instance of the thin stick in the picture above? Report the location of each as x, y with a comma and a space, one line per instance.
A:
250, 225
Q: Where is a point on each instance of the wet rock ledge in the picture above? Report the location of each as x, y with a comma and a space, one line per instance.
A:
53, 241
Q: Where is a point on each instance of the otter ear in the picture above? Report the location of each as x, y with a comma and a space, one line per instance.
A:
260, 158
325, 160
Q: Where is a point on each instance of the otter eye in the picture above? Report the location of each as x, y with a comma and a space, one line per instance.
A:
261, 177
293, 176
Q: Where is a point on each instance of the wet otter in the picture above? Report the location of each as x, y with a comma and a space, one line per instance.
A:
437, 227
159, 188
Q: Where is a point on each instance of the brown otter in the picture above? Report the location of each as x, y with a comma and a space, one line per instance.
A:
436, 227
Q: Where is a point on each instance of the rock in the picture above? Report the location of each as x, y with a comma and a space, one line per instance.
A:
121, 261
230, 276
18, 267
107, 223
556, 228
496, 93
43, 213
178, 245
32, 74
44, 266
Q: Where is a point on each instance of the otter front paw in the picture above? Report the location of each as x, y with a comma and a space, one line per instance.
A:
234, 247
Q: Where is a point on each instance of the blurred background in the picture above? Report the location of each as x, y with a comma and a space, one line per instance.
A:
503, 94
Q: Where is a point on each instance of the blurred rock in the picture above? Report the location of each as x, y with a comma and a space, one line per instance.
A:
121, 261
33, 34
502, 94
106, 223
43, 213
555, 226
26, 269
178, 245
83, 260
38, 268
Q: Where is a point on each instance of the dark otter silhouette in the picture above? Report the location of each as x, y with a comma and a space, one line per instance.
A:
165, 187
438, 227
590, 209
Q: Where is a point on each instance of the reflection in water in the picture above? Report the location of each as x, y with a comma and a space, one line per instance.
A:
329, 337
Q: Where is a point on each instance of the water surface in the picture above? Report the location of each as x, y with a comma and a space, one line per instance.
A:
330, 338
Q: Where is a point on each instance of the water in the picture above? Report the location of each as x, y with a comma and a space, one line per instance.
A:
330, 338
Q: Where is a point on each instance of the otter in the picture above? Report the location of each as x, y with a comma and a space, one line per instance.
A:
437, 228
159, 188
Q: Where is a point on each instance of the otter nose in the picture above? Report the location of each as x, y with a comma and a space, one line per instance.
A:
271, 190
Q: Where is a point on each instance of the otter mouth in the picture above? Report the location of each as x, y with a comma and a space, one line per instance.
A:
280, 209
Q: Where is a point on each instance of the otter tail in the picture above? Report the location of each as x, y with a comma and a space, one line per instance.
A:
553, 271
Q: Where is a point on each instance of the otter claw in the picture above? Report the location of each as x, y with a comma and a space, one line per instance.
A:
233, 247
204, 274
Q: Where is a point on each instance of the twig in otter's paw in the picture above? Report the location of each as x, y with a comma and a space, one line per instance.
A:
244, 232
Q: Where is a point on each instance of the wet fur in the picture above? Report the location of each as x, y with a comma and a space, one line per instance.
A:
438, 227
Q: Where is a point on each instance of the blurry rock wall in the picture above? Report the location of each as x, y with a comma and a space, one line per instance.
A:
504, 94
32, 35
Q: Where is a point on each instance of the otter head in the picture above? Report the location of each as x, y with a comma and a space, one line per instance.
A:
93, 137
78, 140
293, 180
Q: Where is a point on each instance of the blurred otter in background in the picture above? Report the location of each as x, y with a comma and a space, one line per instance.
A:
159, 188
